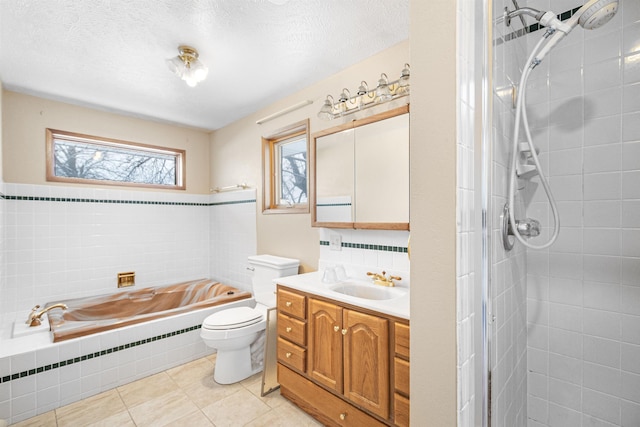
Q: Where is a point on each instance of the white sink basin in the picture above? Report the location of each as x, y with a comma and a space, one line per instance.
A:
368, 291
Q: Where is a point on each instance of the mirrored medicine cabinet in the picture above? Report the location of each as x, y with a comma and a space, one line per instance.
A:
360, 173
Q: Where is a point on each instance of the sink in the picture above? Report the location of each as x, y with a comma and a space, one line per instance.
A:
368, 291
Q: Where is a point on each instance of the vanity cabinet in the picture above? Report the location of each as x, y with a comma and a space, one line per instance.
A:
401, 374
349, 377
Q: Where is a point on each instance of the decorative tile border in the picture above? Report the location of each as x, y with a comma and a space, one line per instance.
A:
534, 27
368, 246
332, 204
78, 359
125, 202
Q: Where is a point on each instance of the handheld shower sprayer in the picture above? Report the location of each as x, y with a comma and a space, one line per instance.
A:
593, 14
590, 16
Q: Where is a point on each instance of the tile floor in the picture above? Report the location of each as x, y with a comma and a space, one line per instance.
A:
182, 396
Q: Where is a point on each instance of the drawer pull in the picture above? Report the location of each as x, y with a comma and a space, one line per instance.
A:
288, 329
288, 355
343, 416
344, 332
336, 328
288, 303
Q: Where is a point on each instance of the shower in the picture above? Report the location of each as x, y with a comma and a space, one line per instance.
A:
524, 159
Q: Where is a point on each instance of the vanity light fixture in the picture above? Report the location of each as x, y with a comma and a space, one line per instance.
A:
326, 112
187, 66
382, 91
365, 98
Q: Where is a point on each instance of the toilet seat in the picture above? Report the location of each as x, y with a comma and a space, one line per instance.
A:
232, 318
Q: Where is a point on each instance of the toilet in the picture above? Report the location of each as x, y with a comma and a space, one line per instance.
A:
238, 334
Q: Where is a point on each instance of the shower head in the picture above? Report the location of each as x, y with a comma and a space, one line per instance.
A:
593, 14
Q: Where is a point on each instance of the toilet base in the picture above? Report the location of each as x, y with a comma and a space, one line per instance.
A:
233, 366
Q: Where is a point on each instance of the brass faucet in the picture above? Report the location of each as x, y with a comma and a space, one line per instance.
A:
35, 315
382, 279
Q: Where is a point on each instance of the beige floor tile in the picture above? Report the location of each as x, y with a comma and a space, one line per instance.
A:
285, 415
195, 419
91, 410
48, 419
143, 390
254, 385
236, 410
191, 372
207, 391
121, 419
163, 410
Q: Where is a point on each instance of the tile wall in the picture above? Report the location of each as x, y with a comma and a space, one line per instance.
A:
67, 242
468, 283
63, 243
584, 292
362, 250
508, 269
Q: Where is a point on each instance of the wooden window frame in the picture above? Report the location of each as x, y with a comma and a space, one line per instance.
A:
53, 134
269, 203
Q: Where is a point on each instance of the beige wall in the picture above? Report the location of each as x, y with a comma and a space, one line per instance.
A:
25, 119
236, 151
433, 213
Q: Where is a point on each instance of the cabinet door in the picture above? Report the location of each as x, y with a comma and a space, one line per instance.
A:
325, 344
366, 361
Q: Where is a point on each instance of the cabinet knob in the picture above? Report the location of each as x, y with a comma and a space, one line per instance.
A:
288, 303
344, 332
343, 416
288, 329
288, 354
336, 328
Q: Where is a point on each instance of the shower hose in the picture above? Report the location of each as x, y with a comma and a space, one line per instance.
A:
521, 114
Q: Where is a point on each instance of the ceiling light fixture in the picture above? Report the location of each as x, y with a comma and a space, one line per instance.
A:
366, 98
187, 66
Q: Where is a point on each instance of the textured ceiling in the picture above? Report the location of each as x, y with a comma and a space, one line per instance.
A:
111, 54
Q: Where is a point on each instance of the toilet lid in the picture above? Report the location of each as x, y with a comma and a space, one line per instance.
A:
232, 318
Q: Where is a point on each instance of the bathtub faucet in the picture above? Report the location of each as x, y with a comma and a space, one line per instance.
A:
35, 316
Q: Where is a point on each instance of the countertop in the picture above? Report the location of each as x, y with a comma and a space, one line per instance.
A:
312, 283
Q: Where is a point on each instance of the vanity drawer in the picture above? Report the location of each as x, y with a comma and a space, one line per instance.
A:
292, 355
402, 339
292, 304
320, 403
401, 376
401, 414
292, 329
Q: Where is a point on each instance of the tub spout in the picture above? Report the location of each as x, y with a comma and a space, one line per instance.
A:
35, 316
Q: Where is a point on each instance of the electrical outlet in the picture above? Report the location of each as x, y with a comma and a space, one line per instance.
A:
335, 242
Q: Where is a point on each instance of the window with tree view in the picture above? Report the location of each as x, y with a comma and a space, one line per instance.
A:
73, 157
287, 170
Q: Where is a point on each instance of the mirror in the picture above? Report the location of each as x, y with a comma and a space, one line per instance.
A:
360, 173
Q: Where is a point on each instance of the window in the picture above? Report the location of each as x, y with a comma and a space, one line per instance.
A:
286, 176
73, 157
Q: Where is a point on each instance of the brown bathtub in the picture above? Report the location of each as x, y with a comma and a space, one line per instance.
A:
85, 316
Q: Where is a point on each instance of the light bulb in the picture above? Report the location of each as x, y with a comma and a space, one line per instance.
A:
382, 91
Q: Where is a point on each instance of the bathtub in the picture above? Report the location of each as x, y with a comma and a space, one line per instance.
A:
38, 374
85, 316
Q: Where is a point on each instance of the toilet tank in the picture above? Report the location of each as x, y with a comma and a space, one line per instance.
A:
265, 269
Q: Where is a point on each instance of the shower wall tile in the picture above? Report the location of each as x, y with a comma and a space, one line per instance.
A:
631, 69
631, 126
603, 45
631, 39
631, 98
602, 75
602, 186
601, 351
604, 130
602, 213
630, 156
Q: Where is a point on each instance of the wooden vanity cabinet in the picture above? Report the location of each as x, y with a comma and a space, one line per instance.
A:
401, 374
348, 376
